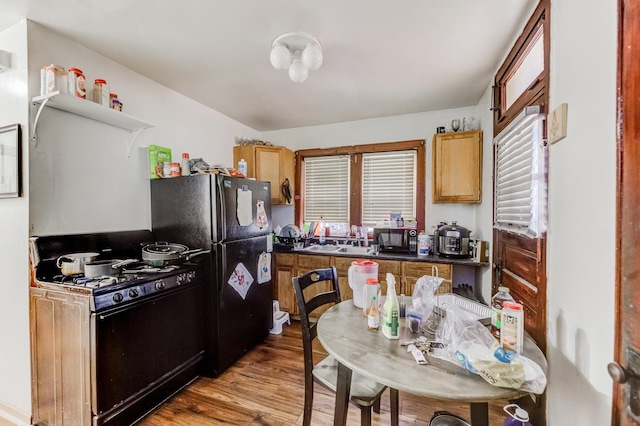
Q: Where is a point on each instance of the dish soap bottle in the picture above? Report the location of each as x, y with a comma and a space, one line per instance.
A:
373, 314
390, 310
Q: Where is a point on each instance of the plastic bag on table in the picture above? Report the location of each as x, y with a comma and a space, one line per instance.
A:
423, 298
470, 344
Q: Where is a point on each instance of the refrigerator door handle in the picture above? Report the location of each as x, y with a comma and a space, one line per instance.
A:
220, 202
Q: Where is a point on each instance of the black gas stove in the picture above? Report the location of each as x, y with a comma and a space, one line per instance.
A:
136, 281
130, 340
132, 284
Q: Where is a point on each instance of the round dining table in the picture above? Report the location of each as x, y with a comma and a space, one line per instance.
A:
343, 332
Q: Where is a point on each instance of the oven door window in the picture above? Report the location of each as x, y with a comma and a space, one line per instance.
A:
137, 345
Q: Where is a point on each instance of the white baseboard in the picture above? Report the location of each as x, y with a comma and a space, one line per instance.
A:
14, 416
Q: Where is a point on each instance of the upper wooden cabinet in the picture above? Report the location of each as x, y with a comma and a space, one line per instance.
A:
457, 167
271, 164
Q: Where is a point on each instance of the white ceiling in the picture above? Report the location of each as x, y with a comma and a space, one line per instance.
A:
381, 58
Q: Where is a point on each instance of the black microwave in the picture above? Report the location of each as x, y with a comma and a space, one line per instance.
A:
396, 240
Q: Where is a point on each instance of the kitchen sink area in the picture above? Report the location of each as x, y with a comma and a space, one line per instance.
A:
346, 249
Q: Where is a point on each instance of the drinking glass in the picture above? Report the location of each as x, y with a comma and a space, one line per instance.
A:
455, 124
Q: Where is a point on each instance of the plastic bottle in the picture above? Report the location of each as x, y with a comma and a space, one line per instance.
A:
519, 417
77, 83
242, 167
373, 314
370, 288
186, 170
390, 310
423, 244
496, 308
101, 92
321, 231
512, 330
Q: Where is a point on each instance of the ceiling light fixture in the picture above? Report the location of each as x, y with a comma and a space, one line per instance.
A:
298, 52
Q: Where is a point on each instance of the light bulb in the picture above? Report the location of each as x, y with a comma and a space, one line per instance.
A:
312, 56
298, 72
280, 57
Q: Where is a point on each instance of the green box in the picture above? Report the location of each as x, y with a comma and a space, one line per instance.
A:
157, 156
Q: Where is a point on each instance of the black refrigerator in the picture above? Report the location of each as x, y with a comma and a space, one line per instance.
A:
232, 217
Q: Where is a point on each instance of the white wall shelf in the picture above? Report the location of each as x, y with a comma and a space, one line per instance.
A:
88, 109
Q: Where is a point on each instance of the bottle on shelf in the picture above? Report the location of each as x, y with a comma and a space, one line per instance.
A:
373, 314
496, 309
391, 310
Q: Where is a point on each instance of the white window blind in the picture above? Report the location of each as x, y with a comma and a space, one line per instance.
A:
326, 189
388, 185
520, 192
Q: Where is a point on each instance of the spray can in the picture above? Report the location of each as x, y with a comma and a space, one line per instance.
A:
519, 416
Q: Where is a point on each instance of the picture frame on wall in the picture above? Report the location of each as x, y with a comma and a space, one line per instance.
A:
10, 161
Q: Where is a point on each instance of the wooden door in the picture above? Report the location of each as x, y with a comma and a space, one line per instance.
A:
628, 219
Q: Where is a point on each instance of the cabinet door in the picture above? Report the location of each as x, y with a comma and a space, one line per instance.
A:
268, 162
393, 267
308, 263
284, 289
457, 167
411, 271
283, 286
342, 265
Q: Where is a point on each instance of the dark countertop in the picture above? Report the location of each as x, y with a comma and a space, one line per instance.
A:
389, 256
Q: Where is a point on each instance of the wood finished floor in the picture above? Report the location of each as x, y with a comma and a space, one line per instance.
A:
266, 387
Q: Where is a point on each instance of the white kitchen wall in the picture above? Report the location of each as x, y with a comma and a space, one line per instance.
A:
81, 177
582, 205
78, 178
387, 129
15, 376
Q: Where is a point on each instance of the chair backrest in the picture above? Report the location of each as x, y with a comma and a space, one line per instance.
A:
323, 289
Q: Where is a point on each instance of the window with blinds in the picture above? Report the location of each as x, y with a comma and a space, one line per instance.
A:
388, 185
326, 189
519, 193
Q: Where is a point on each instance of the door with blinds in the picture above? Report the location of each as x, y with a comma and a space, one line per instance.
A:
520, 206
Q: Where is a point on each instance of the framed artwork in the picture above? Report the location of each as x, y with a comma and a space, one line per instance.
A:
10, 161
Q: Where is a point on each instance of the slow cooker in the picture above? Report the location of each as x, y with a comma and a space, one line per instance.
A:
452, 241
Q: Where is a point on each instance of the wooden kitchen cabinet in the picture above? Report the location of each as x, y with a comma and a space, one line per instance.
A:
289, 265
457, 167
411, 271
283, 286
271, 164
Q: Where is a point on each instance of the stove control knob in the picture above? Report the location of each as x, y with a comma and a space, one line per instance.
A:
181, 278
133, 293
191, 275
117, 297
159, 285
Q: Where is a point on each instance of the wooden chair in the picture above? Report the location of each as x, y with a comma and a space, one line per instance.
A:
365, 393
